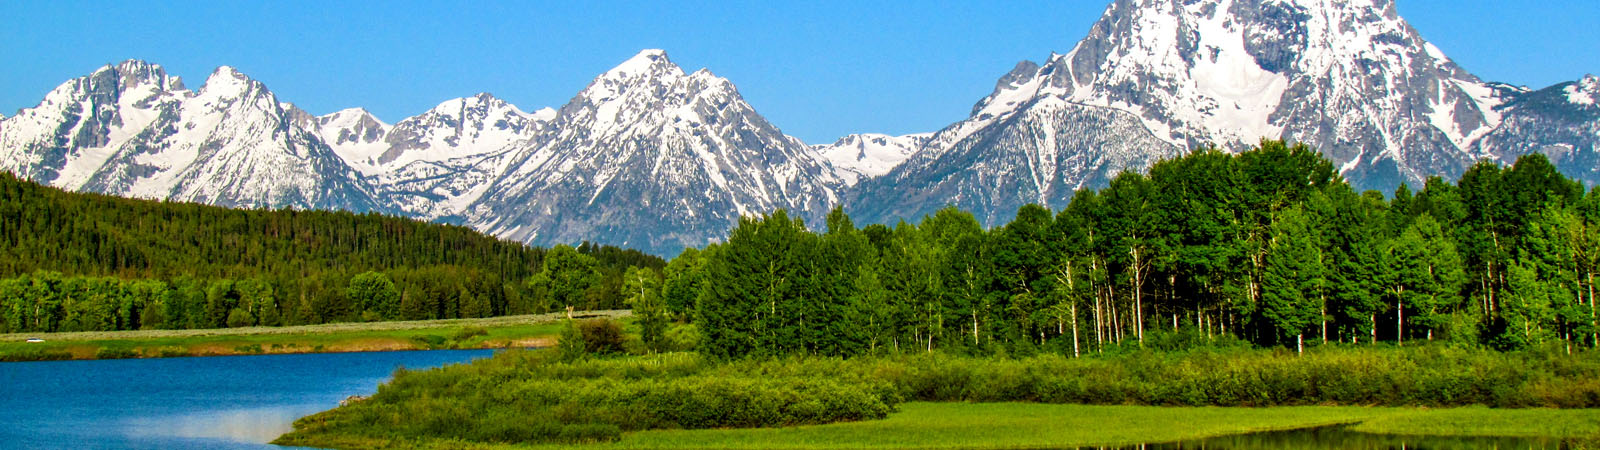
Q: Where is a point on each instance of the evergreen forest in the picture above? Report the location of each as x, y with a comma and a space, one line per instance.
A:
89, 262
1269, 245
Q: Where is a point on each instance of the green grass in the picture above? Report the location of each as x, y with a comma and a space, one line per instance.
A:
933, 425
1480, 421
682, 400
510, 331
1010, 425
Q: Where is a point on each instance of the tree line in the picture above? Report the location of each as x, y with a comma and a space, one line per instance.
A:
1269, 245
89, 262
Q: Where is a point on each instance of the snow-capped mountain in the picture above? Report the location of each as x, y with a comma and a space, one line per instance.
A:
647, 156
132, 130
650, 157
1561, 121
861, 156
1156, 77
356, 136
434, 164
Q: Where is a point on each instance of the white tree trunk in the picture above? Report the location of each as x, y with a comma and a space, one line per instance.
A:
1074, 330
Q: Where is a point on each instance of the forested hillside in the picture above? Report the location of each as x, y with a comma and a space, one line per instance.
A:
1269, 245
80, 262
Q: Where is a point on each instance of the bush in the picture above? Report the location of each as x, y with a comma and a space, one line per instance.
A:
431, 341
570, 344
682, 338
469, 333
238, 317
602, 336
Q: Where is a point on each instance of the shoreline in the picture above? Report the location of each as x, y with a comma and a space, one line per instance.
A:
525, 331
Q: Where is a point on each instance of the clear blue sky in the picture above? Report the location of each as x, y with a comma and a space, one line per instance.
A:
818, 70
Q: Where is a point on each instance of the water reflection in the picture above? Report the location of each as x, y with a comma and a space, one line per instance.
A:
1341, 438
255, 425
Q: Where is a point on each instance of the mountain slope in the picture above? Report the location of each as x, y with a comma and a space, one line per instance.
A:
648, 156
131, 130
1561, 121
1350, 78
434, 164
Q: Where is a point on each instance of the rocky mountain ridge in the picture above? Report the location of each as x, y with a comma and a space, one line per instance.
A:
654, 157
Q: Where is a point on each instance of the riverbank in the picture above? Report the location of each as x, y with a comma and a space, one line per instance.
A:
525, 331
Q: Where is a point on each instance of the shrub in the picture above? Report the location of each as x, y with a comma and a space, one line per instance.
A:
570, 343
430, 341
469, 333
682, 338
602, 336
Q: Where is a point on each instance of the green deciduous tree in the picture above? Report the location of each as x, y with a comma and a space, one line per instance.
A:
566, 276
374, 292
1292, 278
643, 287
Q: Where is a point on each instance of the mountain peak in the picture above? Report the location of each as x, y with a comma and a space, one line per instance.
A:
227, 80
133, 72
349, 116
134, 66
647, 62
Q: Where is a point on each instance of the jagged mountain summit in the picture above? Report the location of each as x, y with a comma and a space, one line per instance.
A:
647, 156
434, 164
651, 157
1154, 78
132, 130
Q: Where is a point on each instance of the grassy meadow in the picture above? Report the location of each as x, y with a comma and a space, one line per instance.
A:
496, 332
1012, 425
559, 399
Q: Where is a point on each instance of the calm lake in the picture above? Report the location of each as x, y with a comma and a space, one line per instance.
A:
229, 402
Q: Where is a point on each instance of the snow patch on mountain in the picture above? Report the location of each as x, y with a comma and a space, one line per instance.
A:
860, 156
1584, 91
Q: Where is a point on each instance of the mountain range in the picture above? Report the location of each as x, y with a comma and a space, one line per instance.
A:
653, 157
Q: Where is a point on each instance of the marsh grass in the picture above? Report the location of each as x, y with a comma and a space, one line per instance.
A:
536, 397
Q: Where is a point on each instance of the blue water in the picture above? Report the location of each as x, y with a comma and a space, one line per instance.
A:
229, 402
